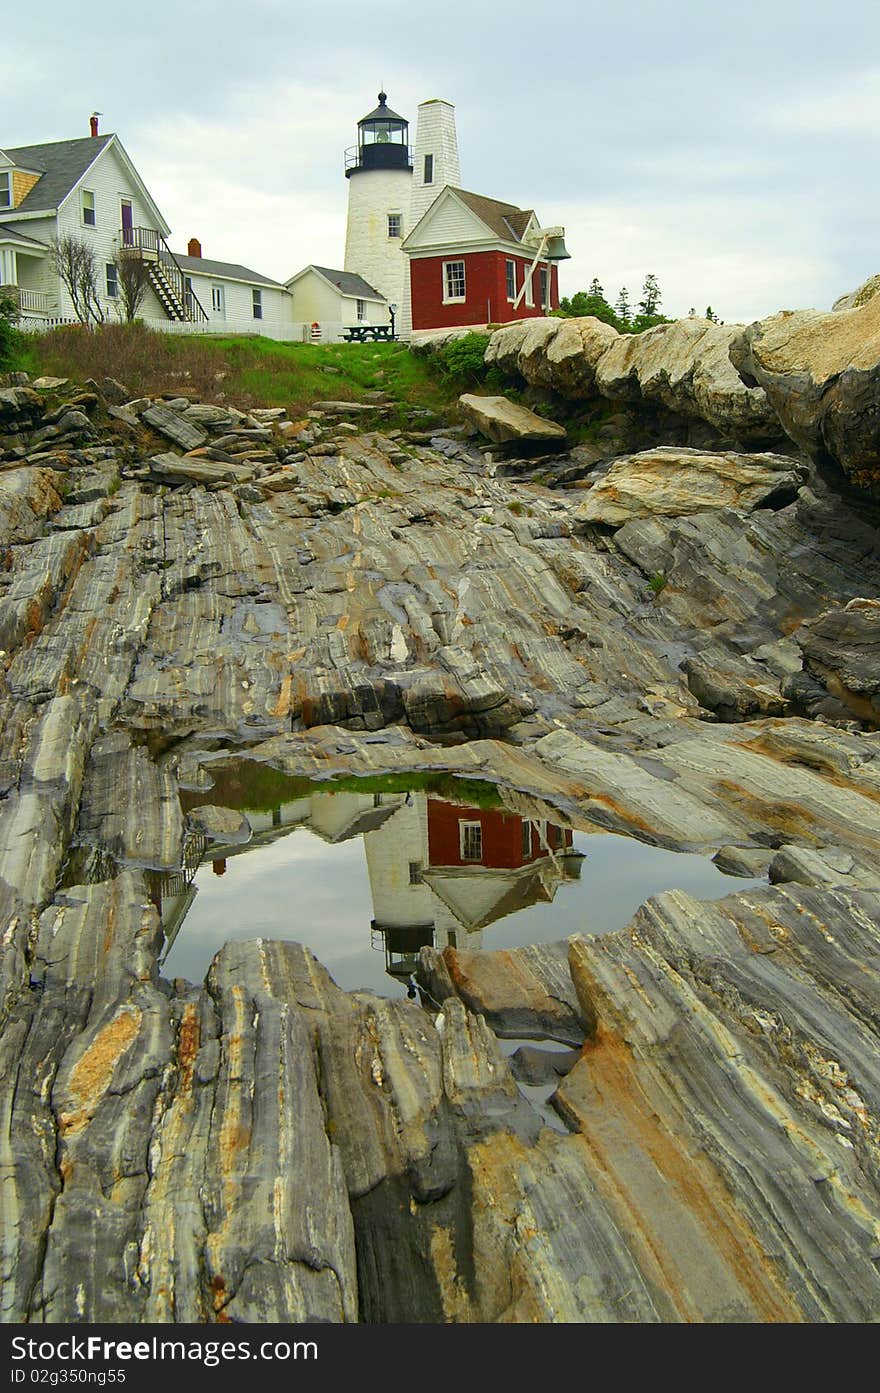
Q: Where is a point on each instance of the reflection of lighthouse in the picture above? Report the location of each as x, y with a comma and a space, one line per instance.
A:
440, 872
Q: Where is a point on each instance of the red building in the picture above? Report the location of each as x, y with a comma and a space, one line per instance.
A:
474, 260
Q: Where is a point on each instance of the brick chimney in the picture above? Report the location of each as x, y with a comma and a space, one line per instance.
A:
93, 122
193, 247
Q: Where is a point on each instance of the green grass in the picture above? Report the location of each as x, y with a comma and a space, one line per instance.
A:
247, 371
254, 787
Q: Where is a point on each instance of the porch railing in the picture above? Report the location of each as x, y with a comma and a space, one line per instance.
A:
149, 243
29, 301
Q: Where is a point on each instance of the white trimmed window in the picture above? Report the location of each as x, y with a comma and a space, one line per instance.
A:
112, 281
429, 170
453, 281
5, 189
361, 310
526, 838
217, 299
510, 277
394, 224
543, 286
530, 289
88, 208
471, 841
257, 296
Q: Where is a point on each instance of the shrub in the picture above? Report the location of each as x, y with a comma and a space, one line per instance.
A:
148, 362
464, 358
11, 340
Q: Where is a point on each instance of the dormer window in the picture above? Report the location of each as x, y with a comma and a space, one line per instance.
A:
88, 208
5, 189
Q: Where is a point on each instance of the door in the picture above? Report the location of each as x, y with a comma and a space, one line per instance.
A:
127, 224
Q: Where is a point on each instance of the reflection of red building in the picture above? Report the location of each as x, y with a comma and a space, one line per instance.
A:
461, 836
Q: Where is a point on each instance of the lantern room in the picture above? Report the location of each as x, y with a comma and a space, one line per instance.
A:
383, 141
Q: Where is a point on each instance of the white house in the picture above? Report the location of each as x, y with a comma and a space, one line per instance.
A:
89, 189
332, 301
237, 300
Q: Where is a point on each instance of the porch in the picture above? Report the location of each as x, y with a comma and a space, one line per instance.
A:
172, 288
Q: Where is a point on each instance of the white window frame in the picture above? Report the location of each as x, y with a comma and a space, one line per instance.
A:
111, 280
87, 208
428, 170
218, 300
510, 278
545, 285
361, 310
530, 288
397, 220
5, 177
470, 839
257, 302
447, 281
526, 839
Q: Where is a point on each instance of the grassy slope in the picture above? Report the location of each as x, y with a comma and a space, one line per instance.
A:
247, 371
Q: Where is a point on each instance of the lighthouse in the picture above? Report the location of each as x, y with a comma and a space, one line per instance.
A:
379, 173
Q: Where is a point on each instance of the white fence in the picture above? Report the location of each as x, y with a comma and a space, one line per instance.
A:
293, 332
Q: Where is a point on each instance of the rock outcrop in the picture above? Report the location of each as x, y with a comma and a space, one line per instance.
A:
821, 373
263, 1146
683, 366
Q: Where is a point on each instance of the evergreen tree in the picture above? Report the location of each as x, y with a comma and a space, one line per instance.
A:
595, 289
650, 301
622, 309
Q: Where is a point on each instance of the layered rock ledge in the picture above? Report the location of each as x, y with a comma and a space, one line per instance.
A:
264, 1146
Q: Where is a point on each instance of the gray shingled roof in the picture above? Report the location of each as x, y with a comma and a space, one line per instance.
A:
505, 219
349, 283
60, 164
223, 268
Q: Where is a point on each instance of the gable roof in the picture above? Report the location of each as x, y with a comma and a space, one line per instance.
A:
346, 282
223, 269
60, 164
506, 220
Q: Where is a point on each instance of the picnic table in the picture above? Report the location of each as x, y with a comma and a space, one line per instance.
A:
361, 333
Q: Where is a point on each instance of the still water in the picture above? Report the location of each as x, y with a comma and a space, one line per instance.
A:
365, 878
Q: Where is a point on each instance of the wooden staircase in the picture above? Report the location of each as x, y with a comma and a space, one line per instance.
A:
177, 299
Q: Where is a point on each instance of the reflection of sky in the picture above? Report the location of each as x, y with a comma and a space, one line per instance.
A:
312, 892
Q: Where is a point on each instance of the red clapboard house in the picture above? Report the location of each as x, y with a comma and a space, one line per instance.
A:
475, 260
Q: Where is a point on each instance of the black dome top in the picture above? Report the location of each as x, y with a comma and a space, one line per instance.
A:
383, 113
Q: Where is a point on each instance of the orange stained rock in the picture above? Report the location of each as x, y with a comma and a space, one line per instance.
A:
92, 1075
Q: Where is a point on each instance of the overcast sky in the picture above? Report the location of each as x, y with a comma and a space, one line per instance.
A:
730, 149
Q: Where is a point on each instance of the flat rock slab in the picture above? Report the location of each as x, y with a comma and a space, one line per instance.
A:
172, 425
171, 466
670, 482
502, 420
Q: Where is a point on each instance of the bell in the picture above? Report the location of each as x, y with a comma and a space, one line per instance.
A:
555, 249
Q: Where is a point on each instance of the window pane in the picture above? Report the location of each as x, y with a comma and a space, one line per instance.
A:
471, 841
258, 304
429, 169
510, 269
5, 191
88, 207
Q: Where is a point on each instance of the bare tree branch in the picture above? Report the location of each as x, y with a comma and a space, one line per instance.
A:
133, 274
74, 261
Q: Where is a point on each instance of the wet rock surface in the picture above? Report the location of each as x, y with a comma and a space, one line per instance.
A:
264, 1146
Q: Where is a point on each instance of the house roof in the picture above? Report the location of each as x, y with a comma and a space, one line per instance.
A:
224, 269
346, 282
505, 219
61, 164
9, 234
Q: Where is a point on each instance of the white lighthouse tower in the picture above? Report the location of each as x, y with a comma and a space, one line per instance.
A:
379, 174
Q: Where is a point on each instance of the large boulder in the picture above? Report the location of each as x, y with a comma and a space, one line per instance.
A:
670, 482
842, 649
684, 366
822, 374
502, 420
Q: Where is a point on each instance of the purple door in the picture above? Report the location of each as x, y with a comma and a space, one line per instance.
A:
127, 234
